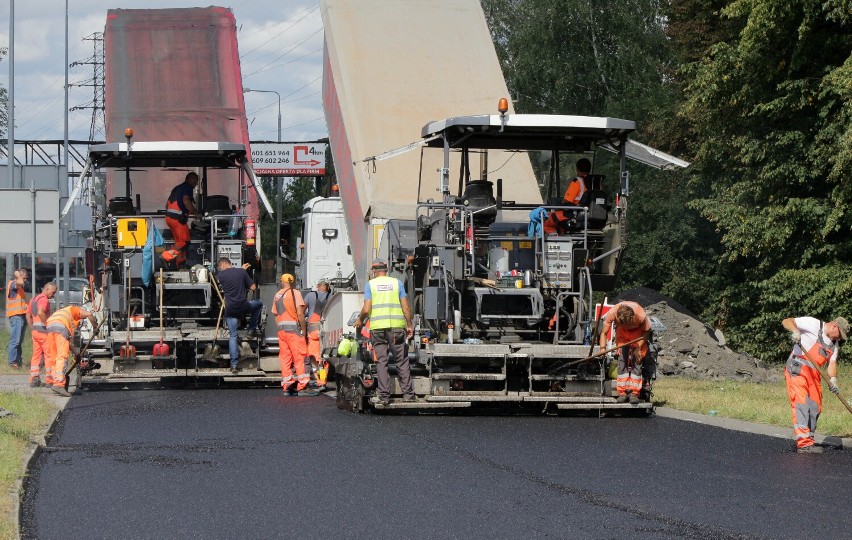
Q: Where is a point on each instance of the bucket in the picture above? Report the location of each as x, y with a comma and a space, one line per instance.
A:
498, 260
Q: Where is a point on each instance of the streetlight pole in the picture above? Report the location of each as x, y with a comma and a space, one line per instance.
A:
279, 182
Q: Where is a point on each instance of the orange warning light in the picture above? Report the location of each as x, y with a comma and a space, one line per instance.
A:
503, 105
128, 132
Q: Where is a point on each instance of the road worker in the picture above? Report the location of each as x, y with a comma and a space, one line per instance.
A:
315, 302
16, 312
288, 306
631, 323
559, 220
236, 283
815, 342
61, 327
386, 305
179, 207
37, 314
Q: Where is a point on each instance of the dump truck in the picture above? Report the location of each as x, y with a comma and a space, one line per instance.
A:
504, 313
174, 105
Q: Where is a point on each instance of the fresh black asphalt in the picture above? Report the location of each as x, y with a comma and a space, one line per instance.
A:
251, 463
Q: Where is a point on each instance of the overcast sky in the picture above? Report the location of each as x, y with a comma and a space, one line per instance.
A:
280, 44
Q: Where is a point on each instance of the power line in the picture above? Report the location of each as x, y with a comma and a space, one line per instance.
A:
269, 67
291, 49
277, 35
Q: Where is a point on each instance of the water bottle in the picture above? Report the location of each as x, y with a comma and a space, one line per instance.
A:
234, 226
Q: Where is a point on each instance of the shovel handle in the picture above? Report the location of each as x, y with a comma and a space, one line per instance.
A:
824, 373
592, 357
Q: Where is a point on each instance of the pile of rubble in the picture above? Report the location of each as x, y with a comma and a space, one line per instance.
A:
688, 347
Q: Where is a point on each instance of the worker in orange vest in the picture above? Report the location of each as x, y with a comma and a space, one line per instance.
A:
16, 312
821, 341
316, 301
631, 322
558, 220
61, 327
288, 306
37, 314
179, 207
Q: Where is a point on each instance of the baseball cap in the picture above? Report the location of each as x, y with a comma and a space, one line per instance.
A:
843, 325
379, 263
287, 278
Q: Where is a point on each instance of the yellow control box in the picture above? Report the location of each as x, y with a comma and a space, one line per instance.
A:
131, 233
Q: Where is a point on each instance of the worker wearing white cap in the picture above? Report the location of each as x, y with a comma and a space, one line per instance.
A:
386, 304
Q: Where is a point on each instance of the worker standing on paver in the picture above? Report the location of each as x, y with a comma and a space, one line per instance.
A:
37, 314
631, 323
386, 304
179, 207
815, 342
61, 327
288, 306
16, 312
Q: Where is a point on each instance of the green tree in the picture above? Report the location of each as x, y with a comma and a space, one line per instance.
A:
772, 112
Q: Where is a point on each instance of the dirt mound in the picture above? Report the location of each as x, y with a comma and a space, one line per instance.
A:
690, 348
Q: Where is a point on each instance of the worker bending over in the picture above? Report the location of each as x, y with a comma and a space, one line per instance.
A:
37, 315
61, 327
631, 323
817, 343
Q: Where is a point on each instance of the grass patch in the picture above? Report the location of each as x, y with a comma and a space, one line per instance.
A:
762, 403
31, 414
27, 355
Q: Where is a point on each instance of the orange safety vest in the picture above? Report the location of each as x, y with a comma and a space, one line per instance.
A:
64, 322
316, 315
285, 319
624, 334
821, 353
18, 304
38, 324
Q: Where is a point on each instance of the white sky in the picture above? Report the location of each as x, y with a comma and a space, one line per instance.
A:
280, 43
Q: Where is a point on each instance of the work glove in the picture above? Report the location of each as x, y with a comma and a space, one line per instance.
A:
832, 385
795, 336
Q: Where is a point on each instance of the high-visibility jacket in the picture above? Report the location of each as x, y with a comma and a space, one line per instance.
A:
15, 305
285, 308
315, 316
386, 310
821, 352
65, 321
38, 324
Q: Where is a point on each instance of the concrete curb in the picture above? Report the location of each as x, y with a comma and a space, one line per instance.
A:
750, 427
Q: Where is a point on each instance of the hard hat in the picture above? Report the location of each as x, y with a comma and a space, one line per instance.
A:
287, 278
344, 347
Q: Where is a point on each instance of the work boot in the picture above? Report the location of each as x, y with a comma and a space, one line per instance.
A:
409, 398
634, 399
35, 383
621, 399
307, 392
812, 449
59, 391
383, 400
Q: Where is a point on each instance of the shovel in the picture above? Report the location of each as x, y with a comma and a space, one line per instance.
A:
83, 350
824, 374
161, 349
212, 350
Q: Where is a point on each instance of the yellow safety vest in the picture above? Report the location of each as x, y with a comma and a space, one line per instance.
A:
386, 311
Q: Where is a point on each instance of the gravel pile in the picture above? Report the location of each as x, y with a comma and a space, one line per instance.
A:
690, 348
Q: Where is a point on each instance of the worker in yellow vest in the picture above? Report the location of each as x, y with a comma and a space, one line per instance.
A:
61, 327
16, 312
386, 305
37, 314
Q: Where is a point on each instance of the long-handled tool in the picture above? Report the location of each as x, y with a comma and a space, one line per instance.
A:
592, 357
212, 351
825, 376
128, 351
161, 348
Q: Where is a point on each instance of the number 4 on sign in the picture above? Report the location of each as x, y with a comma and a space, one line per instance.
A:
298, 160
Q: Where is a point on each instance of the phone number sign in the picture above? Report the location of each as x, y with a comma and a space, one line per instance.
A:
288, 159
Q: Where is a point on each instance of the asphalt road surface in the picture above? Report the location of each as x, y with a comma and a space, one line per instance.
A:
251, 463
